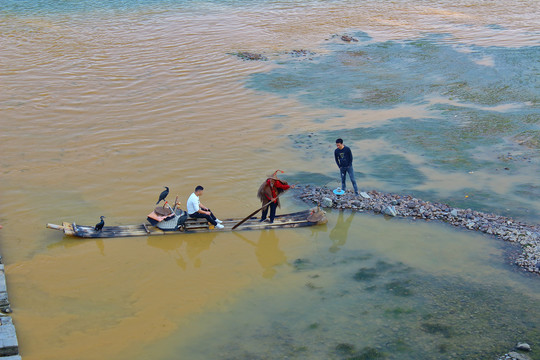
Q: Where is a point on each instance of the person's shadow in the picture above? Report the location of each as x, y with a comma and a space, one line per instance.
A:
268, 253
340, 231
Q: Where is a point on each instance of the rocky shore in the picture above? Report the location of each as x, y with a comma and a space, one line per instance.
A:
526, 235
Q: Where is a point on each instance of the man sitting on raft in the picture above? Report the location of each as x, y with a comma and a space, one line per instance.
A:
197, 210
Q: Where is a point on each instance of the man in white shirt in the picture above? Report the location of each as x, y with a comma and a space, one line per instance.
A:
197, 210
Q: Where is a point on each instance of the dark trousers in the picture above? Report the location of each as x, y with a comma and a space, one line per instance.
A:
273, 207
343, 172
210, 218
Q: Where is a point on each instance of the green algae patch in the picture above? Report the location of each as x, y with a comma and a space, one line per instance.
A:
302, 264
399, 287
365, 274
394, 168
437, 328
398, 312
529, 138
345, 349
384, 74
368, 353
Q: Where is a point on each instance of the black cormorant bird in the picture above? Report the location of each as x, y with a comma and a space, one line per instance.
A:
99, 225
163, 194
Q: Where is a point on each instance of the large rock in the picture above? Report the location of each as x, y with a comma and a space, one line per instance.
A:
523, 347
390, 211
326, 202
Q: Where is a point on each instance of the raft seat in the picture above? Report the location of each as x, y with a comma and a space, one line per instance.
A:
192, 223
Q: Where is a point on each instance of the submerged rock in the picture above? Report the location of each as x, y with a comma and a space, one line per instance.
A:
348, 38
302, 53
245, 55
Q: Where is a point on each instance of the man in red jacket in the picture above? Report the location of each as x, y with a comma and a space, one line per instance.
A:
269, 192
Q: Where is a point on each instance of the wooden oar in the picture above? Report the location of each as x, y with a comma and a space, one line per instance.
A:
256, 211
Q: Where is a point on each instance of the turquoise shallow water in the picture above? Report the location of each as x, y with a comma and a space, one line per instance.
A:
481, 116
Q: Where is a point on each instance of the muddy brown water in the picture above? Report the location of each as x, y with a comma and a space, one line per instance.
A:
100, 110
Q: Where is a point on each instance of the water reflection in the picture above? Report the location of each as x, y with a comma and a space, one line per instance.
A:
340, 231
101, 246
191, 248
70, 241
267, 251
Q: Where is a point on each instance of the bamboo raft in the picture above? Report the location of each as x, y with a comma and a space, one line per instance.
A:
299, 219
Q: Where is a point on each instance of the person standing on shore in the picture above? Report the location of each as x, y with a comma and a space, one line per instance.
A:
344, 160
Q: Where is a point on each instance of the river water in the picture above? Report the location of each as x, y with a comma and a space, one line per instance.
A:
104, 103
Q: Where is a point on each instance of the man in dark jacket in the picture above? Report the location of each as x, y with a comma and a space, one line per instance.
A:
344, 159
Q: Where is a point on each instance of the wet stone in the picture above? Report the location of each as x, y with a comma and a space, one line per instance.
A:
326, 202
523, 347
390, 211
348, 38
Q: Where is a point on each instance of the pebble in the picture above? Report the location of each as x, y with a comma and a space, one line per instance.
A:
526, 235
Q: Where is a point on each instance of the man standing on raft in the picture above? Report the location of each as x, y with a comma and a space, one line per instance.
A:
269, 192
344, 158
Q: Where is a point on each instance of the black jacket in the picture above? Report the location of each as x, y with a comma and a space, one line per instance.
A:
343, 157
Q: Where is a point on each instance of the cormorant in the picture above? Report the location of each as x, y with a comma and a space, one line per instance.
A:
100, 224
163, 194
